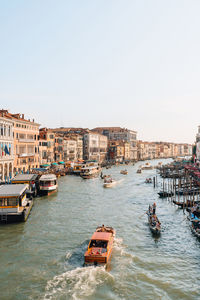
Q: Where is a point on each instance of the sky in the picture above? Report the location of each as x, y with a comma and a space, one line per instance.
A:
90, 63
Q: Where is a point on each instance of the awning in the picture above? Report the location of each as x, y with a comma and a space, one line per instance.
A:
61, 162
54, 164
45, 165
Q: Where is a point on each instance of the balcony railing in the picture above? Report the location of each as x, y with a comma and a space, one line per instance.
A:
26, 140
25, 155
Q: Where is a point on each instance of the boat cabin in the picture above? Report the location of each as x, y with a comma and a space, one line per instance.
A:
30, 179
14, 206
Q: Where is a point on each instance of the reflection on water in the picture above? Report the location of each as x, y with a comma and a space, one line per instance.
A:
43, 258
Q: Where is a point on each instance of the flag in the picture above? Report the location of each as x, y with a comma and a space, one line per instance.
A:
6, 150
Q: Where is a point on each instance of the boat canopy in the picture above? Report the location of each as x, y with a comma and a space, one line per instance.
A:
24, 177
45, 165
12, 190
104, 236
48, 177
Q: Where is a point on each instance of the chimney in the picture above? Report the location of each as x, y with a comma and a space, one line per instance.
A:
22, 116
33, 120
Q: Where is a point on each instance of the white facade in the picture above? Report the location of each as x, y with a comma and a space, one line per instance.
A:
95, 147
6, 149
70, 150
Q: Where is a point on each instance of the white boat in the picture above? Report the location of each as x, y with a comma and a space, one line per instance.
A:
90, 170
48, 184
109, 183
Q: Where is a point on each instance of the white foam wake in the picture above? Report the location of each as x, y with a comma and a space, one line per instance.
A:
77, 283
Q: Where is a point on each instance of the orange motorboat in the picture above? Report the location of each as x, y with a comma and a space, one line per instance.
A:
100, 246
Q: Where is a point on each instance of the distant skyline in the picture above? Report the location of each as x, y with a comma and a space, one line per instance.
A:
133, 64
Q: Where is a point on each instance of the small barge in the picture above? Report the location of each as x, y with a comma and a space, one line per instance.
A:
14, 206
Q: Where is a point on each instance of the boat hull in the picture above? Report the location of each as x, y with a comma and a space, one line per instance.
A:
17, 217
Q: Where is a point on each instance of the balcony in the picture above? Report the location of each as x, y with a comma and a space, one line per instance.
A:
26, 155
26, 140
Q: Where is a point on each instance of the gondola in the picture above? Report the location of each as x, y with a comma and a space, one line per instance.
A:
154, 223
194, 225
164, 194
188, 203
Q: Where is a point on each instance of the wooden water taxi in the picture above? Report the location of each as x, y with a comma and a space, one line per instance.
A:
148, 180
124, 172
100, 246
48, 184
14, 206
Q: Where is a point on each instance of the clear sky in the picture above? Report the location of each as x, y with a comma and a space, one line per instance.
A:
88, 63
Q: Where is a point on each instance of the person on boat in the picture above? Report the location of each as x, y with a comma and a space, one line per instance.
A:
154, 208
103, 228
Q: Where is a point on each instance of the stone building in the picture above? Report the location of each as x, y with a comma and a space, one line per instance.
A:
26, 144
95, 147
46, 146
121, 134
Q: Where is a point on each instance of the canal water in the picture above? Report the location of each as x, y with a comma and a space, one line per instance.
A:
43, 258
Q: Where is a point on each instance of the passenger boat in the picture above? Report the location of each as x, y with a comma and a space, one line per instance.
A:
124, 172
164, 194
48, 184
90, 170
14, 206
30, 179
100, 246
77, 168
109, 182
154, 223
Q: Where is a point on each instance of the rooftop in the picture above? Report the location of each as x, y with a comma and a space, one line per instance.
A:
12, 190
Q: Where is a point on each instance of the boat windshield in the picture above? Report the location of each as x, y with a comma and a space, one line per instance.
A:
98, 244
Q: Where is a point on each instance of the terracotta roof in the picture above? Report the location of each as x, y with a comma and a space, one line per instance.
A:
101, 236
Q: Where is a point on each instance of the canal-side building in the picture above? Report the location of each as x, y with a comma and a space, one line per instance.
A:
58, 148
26, 142
121, 134
46, 146
6, 149
69, 149
95, 147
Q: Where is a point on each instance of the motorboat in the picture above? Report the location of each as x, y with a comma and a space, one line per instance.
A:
100, 246
109, 182
124, 172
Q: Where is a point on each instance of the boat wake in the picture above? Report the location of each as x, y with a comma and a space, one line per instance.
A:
79, 283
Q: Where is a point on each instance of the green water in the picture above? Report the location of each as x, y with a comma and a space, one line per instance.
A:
43, 258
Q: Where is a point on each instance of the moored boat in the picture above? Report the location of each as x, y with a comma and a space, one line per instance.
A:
164, 194
194, 224
139, 171
14, 206
48, 184
100, 246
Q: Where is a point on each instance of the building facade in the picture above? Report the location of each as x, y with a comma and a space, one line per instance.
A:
121, 134
95, 147
6, 149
